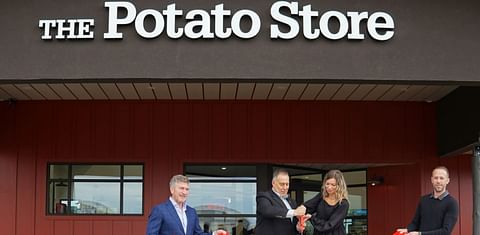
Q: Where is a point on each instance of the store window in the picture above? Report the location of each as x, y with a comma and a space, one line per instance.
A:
356, 220
224, 197
99, 189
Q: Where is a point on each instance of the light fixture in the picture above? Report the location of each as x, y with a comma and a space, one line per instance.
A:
375, 180
223, 168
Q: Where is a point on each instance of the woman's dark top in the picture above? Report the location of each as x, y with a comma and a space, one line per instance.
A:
327, 219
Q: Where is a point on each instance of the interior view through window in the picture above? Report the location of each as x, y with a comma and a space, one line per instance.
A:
100, 189
224, 195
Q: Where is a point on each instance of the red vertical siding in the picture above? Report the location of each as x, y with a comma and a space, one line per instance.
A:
317, 136
102, 139
83, 227
8, 166
299, 131
26, 171
259, 127
279, 133
101, 227
201, 130
238, 135
335, 131
142, 134
165, 135
63, 227
356, 129
220, 132
160, 160
121, 228
376, 125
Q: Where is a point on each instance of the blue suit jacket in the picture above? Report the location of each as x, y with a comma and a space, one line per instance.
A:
163, 220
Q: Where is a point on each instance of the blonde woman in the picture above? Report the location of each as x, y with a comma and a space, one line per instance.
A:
330, 207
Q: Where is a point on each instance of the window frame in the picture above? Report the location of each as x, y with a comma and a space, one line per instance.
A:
50, 200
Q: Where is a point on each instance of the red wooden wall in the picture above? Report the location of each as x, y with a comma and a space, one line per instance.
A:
165, 135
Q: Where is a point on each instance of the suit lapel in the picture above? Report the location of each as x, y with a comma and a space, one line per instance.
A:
190, 220
293, 205
173, 214
277, 199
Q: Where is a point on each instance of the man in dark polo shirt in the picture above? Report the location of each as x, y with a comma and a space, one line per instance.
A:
437, 212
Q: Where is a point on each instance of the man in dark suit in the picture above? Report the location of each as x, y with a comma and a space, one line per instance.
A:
174, 217
276, 213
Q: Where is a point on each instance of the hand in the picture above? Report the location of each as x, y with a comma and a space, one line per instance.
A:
301, 223
220, 232
413, 233
300, 210
402, 230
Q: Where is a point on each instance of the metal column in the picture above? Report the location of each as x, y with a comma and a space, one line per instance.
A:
476, 189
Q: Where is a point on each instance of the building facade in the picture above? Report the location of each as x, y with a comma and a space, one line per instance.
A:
147, 88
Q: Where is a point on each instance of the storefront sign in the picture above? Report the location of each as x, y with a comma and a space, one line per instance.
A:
312, 24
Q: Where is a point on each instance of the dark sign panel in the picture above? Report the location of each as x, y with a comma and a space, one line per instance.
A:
186, 39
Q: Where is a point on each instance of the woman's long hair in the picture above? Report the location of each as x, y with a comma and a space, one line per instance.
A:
341, 192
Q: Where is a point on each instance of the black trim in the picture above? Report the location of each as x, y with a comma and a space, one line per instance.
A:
50, 209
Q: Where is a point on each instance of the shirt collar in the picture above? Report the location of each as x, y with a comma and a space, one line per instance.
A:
441, 197
175, 204
278, 194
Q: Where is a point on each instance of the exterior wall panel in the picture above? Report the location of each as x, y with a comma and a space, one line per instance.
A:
239, 133
83, 227
8, 167
164, 135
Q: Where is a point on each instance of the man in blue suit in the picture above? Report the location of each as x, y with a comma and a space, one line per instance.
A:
174, 217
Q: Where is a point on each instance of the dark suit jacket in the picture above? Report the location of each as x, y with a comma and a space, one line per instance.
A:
271, 212
163, 220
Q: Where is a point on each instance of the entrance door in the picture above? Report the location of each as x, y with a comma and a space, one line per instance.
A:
224, 195
305, 183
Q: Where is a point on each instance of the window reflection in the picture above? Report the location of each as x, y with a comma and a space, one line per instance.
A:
99, 172
223, 198
95, 198
132, 198
95, 189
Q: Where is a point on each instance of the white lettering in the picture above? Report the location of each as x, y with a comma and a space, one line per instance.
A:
63, 27
203, 24
380, 25
287, 17
373, 25
306, 13
355, 23
159, 23
292, 23
113, 20
47, 25
343, 29
171, 14
254, 29
219, 13
84, 28
71, 28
